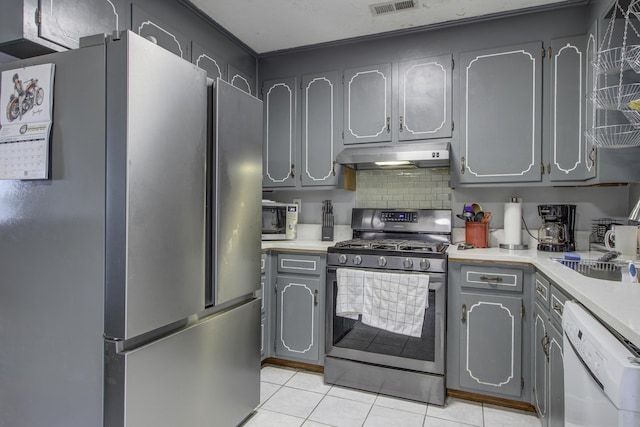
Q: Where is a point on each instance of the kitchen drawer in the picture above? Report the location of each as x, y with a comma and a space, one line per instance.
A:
543, 291
300, 264
493, 278
557, 300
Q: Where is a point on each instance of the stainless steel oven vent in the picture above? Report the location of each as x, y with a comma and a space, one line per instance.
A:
392, 6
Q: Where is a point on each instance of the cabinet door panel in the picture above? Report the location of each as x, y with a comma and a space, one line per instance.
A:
367, 95
320, 128
540, 363
297, 317
209, 61
241, 80
501, 114
568, 65
491, 361
279, 139
64, 21
424, 95
556, 378
162, 34
590, 112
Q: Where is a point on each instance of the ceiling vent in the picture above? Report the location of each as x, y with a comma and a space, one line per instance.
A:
392, 6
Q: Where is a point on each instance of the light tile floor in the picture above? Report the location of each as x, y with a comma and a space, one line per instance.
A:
290, 397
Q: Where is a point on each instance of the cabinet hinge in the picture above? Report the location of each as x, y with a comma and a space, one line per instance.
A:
453, 63
522, 311
544, 53
342, 134
550, 52
549, 168
343, 79
521, 384
453, 125
38, 16
542, 169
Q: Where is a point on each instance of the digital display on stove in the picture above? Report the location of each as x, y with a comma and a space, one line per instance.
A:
397, 216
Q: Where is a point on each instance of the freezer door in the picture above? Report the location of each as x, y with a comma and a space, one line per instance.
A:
156, 138
237, 192
207, 374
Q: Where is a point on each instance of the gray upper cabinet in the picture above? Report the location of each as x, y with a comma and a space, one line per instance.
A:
160, 33
321, 114
64, 21
209, 61
36, 27
424, 98
279, 147
240, 80
571, 157
491, 361
367, 104
500, 114
399, 102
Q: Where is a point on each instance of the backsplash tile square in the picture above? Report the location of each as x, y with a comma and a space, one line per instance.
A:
412, 188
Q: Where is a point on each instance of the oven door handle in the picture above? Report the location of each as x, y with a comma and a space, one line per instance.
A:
464, 313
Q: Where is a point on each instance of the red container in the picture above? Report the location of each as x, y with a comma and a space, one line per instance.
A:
477, 234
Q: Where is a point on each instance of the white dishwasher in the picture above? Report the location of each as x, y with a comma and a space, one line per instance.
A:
601, 374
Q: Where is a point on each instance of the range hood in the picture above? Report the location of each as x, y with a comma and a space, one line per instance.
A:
396, 156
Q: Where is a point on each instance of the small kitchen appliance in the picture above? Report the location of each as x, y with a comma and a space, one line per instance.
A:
557, 232
279, 220
391, 246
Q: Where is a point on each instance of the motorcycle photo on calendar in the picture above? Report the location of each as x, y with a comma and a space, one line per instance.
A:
25, 96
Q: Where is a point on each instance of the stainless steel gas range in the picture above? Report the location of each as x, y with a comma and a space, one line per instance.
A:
386, 304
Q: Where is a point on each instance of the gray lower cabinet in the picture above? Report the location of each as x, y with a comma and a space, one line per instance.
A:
32, 27
299, 307
264, 307
500, 114
548, 356
488, 332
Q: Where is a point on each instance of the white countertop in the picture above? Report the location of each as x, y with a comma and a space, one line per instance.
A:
615, 303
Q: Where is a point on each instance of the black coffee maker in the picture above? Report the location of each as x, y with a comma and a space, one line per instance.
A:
557, 233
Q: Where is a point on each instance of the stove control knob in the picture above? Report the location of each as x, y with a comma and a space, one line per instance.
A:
382, 261
407, 263
342, 259
357, 260
424, 264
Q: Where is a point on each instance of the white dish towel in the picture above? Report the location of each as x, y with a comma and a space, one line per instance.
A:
394, 302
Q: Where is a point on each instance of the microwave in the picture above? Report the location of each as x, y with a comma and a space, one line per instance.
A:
279, 221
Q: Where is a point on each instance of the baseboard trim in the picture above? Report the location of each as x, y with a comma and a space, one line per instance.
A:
498, 401
295, 365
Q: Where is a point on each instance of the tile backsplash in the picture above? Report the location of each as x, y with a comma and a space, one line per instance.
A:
426, 188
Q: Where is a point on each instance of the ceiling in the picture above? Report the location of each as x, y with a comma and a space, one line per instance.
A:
273, 25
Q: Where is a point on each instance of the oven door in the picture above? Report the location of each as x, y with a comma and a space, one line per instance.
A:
351, 339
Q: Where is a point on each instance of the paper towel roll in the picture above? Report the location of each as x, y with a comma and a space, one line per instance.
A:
513, 223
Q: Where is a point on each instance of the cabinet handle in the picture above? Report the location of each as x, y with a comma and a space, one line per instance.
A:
464, 313
388, 124
462, 165
541, 291
497, 279
315, 297
333, 168
292, 170
545, 344
401, 126
557, 308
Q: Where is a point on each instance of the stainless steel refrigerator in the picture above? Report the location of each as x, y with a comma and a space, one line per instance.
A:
127, 279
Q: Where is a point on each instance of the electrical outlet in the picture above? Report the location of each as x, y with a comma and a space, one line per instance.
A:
299, 203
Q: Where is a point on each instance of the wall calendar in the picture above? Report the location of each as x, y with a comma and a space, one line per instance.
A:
26, 100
